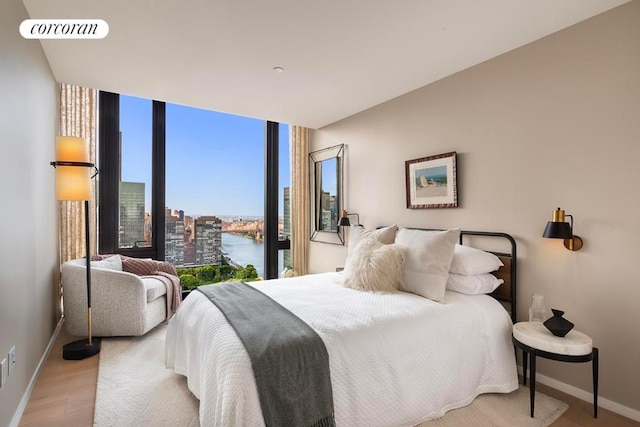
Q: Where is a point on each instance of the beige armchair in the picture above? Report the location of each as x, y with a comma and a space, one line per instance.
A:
122, 303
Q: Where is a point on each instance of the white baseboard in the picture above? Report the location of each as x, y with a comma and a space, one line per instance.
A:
612, 406
27, 394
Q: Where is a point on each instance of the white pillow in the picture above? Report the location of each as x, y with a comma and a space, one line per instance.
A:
374, 266
386, 235
471, 261
110, 263
473, 285
427, 260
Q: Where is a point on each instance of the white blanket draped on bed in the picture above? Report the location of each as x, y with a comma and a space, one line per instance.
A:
395, 359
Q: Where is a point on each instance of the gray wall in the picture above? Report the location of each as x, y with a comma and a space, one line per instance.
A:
554, 123
28, 213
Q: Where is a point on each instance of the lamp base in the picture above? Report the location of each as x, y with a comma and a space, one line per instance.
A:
81, 349
574, 244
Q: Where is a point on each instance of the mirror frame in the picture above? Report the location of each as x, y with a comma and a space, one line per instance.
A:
335, 237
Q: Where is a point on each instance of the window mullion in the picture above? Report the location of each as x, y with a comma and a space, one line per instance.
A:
108, 179
158, 179
271, 201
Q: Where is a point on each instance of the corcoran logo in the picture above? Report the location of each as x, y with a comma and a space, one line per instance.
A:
64, 29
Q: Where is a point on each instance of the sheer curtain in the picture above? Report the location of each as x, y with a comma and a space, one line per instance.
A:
77, 118
299, 148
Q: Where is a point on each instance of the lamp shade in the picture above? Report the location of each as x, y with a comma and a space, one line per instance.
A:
72, 182
344, 222
71, 149
557, 230
344, 219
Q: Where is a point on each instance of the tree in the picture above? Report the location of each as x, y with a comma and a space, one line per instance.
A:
189, 281
250, 272
227, 271
240, 273
218, 277
206, 273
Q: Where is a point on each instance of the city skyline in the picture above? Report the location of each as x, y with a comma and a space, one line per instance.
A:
214, 160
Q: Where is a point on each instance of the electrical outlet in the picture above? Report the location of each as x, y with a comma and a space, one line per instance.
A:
3, 371
12, 359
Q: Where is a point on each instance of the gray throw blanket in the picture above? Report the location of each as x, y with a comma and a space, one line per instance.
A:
289, 360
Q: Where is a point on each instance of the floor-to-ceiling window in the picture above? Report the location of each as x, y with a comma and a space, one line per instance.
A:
214, 188
188, 185
134, 195
284, 200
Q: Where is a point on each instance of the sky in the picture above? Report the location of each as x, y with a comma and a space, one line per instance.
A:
214, 161
329, 176
431, 172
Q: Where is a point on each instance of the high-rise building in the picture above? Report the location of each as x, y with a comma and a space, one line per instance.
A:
325, 219
189, 229
132, 211
189, 253
147, 229
328, 211
208, 240
286, 229
174, 240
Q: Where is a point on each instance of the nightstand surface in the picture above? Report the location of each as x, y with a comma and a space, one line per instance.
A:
535, 340
536, 335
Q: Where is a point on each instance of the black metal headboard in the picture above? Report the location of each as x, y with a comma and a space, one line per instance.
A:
507, 292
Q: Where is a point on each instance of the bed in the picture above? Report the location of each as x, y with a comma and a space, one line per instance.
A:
395, 359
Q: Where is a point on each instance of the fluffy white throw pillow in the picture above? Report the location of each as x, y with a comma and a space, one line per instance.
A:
386, 235
428, 257
374, 266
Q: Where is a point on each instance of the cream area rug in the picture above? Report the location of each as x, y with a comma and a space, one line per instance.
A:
135, 389
498, 410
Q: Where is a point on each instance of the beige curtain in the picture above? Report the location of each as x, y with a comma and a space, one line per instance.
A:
299, 147
77, 118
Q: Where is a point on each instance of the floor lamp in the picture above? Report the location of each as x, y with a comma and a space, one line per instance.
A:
73, 182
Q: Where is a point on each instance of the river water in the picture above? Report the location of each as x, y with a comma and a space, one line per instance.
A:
243, 251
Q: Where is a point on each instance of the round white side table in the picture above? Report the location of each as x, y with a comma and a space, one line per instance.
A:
535, 340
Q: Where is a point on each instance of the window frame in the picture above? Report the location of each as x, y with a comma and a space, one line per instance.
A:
109, 178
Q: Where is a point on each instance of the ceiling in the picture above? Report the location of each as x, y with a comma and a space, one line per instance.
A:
340, 57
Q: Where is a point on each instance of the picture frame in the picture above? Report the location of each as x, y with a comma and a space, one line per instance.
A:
431, 182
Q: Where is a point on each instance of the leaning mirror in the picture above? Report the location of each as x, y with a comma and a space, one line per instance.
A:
325, 167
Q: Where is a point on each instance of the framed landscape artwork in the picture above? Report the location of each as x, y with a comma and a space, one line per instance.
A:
431, 182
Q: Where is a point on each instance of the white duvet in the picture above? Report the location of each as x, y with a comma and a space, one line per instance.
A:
395, 359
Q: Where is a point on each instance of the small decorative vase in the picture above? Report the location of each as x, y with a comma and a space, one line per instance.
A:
537, 311
558, 325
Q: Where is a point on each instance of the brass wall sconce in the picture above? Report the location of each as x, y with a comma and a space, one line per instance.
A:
344, 219
557, 228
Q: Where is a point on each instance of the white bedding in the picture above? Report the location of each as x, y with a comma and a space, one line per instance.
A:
395, 359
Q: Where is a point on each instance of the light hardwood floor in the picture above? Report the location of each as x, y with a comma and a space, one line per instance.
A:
64, 396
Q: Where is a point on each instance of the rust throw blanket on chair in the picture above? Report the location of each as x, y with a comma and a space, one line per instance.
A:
160, 270
174, 290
